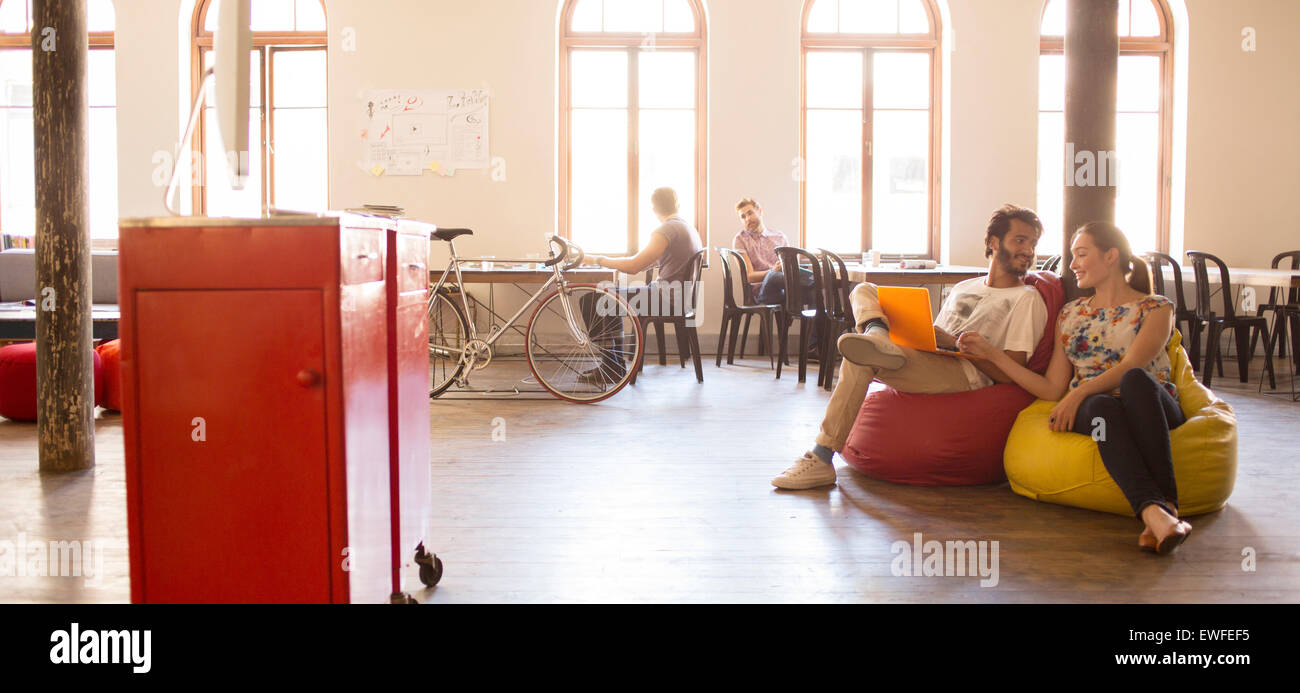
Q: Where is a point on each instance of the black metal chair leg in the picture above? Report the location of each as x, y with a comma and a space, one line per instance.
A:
735, 332
693, 338
744, 335
767, 326
781, 330
1242, 338
722, 339
803, 350
1211, 353
683, 346
1194, 333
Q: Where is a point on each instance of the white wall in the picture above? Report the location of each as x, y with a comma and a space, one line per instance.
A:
1242, 117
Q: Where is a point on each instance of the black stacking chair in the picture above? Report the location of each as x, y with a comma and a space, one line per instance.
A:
839, 313
1229, 320
1183, 314
1281, 309
688, 339
796, 298
734, 313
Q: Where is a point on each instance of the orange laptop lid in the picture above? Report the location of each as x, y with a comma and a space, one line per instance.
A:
907, 309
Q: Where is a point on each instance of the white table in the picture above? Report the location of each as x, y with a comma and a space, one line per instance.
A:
891, 275
1253, 276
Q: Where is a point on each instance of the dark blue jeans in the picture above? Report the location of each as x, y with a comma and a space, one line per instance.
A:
772, 291
1135, 448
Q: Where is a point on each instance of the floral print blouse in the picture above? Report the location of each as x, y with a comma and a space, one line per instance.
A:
1095, 339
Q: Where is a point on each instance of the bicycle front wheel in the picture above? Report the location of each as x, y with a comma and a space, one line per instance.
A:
448, 333
584, 343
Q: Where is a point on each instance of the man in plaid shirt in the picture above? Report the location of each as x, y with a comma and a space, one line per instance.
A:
758, 244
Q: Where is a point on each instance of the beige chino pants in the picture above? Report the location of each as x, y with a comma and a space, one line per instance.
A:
924, 373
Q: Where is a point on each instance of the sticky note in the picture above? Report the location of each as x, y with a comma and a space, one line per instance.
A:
377, 170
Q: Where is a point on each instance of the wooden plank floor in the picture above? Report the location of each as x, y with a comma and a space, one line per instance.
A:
661, 494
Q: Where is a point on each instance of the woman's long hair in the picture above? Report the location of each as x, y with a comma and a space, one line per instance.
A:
1105, 236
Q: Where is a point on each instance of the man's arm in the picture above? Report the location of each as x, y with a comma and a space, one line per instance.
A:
949, 341
642, 260
944, 339
997, 374
753, 276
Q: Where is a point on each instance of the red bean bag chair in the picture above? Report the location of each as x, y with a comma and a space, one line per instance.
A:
953, 439
110, 353
18, 381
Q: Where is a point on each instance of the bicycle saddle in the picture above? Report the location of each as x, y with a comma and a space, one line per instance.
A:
449, 234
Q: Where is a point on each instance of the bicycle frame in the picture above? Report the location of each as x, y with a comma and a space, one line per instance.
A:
556, 280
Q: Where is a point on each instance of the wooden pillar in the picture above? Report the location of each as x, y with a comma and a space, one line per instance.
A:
64, 362
1091, 69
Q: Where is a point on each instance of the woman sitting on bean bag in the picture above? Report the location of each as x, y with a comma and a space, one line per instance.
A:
1111, 372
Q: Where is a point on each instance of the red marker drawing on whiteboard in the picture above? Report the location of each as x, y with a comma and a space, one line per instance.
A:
386, 131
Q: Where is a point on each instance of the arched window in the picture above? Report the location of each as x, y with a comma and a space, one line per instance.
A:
17, 141
871, 126
1143, 132
632, 118
287, 125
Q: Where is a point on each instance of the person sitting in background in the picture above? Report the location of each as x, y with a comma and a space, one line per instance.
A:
670, 248
758, 245
1010, 313
1111, 372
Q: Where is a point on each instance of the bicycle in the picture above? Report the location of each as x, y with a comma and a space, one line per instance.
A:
583, 342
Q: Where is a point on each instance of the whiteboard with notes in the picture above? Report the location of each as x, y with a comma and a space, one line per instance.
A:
409, 132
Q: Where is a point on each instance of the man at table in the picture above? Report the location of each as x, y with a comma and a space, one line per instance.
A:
1001, 307
758, 244
670, 248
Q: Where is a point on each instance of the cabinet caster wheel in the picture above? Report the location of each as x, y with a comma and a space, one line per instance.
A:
430, 566
401, 598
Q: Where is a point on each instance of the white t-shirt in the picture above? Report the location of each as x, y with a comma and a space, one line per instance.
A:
1011, 319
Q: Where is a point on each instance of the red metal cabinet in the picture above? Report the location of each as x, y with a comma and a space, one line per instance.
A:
256, 409
408, 366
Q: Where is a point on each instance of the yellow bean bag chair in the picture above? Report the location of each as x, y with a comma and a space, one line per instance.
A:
1066, 468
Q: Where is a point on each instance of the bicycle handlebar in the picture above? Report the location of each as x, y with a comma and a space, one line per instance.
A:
567, 249
564, 251
578, 260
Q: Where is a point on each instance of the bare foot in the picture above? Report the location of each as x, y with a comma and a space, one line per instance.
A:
1167, 530
1147, 541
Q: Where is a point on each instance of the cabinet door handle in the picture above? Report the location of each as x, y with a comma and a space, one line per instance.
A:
308, 378
368, 256
415, 266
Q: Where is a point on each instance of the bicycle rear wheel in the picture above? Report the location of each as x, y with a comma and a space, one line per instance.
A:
448, 333
587, 351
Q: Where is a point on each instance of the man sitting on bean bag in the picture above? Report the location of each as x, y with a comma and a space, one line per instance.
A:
1001, 307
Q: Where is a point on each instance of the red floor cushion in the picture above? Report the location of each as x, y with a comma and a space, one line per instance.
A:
110, 353
947, 440
18, 381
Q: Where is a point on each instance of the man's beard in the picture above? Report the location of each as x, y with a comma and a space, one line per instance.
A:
1005, 259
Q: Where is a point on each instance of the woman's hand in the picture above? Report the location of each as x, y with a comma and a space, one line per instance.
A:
592, 261
976, 345
1062, 417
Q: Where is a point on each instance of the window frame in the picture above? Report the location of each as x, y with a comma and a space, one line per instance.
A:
1162, 47
632, 42
98, 40
266, 43
868, 45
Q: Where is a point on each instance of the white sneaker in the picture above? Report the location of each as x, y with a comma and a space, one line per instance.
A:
808, 472
872, 349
